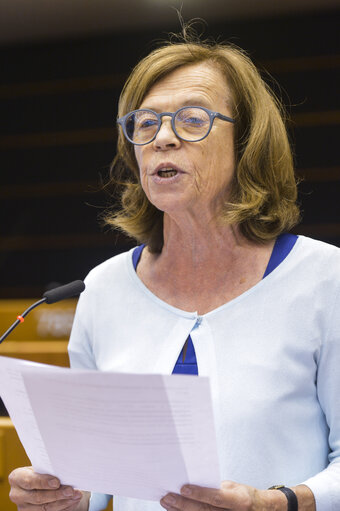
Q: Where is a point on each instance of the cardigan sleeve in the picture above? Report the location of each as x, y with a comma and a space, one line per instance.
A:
80, 343
326, 485
99, 501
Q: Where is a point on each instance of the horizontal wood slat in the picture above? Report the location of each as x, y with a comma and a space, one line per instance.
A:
108, 81
44, 323
43, 352
69, 241
319, 174
66, 86
331, 230
53, 242
40, 190
316, 63
97, 135
306, 119
58, 138
14, 348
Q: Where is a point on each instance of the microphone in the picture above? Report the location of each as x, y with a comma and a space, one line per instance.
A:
51, 296
60, 293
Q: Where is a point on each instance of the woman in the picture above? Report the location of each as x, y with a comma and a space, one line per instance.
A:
210, 195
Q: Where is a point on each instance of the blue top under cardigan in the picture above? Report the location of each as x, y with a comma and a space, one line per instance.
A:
186, 362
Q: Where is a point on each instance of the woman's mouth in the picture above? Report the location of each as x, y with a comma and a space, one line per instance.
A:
167, 172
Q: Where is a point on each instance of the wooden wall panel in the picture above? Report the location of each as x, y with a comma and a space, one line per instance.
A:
59, 103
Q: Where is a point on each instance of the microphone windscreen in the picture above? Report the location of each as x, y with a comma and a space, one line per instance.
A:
62, 292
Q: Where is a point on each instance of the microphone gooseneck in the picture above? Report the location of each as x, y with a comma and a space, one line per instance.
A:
51, 296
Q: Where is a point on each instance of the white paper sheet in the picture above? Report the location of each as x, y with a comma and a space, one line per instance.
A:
13, 393
124, 434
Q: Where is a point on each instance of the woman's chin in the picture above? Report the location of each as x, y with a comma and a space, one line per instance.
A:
170, 202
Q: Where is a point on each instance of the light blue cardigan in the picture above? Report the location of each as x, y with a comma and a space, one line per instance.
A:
272, 355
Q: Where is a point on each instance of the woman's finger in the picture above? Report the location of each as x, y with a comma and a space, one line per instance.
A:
175, 502
230, 496
212, 496
27, 479
61, 505
40, 497
196, 498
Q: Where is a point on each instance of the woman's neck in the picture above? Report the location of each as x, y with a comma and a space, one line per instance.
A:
199, 243
203, 266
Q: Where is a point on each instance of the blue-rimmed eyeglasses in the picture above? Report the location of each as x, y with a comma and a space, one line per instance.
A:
189, 123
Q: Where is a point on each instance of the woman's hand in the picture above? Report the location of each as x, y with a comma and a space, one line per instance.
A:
42, 492
231, 496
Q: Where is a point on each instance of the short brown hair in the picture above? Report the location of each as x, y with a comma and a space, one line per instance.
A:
263, 198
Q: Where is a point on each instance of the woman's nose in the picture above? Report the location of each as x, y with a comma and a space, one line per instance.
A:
166, 137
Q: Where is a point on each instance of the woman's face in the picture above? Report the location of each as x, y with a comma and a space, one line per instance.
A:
205, 169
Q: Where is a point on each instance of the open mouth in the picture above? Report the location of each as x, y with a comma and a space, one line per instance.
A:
167, 172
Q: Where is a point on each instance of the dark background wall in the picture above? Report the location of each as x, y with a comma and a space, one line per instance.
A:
58, 107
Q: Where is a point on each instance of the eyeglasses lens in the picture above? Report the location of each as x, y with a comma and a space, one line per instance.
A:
141, 126
192, 123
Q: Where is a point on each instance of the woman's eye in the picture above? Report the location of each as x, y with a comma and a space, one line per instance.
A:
194, 120
147, 123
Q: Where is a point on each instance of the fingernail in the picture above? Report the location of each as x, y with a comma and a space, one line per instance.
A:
77, 496
186, 490
68, 492
53, 483
169, 499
